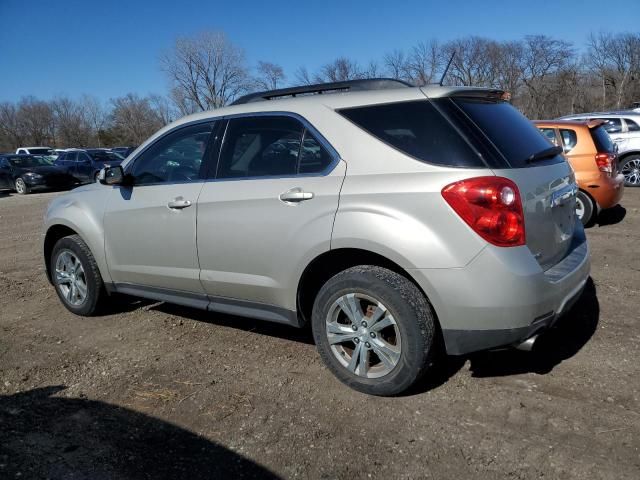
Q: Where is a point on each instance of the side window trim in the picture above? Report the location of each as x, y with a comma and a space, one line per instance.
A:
215, 121
307, 126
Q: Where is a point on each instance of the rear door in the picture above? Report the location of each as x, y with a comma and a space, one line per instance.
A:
5, 174
547, 186
84, 167
268, 210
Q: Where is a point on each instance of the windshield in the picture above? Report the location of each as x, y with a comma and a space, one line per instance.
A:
41, 151
104, 156
27, 162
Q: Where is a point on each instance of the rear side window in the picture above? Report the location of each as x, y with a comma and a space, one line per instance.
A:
510, 131
602, 140
569, 139
268, 146
417, 129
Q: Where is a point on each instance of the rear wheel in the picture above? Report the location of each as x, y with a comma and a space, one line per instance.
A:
75, 275
630, 168
374, 329
21, 186
585, 208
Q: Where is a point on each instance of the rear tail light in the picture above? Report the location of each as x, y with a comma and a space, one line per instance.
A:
491, 206
605, 162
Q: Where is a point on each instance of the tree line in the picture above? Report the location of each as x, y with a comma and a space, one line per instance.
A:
547, 77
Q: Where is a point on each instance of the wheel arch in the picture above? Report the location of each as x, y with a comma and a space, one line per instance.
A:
54, 233
331, 262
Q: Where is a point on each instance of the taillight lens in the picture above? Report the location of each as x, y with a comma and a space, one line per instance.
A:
491, 206
605, 162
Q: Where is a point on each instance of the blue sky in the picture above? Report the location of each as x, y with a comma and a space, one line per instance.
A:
109, 48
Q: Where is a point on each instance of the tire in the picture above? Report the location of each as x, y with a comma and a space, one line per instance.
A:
63, 277
95, 177
630, 168
408, 336
21, 187
585, 208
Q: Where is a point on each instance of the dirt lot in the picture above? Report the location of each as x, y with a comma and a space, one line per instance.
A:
155, 391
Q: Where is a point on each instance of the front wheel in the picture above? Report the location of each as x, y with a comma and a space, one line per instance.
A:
374, 329
76, 277
630, 168
585, 208
21, 186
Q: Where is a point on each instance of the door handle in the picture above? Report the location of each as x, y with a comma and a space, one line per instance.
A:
295, 195
178, 203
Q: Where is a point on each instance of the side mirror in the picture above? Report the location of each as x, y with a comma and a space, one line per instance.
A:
111, 175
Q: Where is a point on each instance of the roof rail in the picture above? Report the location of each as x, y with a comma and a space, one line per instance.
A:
319, 88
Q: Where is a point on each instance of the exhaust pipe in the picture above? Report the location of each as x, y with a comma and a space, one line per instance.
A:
527, 345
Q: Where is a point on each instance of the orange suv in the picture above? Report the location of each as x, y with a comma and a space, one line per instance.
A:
592, 155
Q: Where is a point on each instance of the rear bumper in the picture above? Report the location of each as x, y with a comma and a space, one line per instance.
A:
503, 296
608, 191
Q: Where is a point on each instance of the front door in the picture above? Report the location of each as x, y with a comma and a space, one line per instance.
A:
150, 227
268, 212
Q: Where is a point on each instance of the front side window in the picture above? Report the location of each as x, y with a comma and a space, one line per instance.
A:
612, 125
569, 138
550, 134
270, 146
176, 157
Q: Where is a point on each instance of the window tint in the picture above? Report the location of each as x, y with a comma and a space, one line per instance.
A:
83, 157
632, 125
314, 158
612, 125
417, 129
176, 157
510, 131
602, 140
71, 156
260, 146
569, 138
550, 134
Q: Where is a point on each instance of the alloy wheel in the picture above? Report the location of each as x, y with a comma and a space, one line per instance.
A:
580, 208
21, 187
631, 172
363, 335
70, 278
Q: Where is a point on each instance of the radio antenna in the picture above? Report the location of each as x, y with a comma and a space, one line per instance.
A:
444, 74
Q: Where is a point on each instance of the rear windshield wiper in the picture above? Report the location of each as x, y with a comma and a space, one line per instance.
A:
544, 154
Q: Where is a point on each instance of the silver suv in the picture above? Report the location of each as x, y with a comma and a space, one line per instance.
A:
624, 129
393, 220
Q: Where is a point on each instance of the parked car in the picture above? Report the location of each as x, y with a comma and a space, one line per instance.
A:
592, 155
84, 165
25, 173
124, 151
412, 216
624, 129
46, 151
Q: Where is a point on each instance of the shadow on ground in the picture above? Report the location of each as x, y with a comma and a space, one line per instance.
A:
554, 346
43, 436
300, 335
563, 341
611, 216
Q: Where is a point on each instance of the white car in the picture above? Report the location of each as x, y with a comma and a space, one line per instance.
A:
46, 151
624, 130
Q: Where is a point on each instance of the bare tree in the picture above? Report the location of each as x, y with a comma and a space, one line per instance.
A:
270, 76
35, 120
397, 65
162, 107
72, 124
10, 126
339, 70
207, 70
424, 63
303, 77
133, 119
95, 114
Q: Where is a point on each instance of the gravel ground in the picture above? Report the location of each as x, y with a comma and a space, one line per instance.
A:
150, 390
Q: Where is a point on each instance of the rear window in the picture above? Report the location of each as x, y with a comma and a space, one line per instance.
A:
510, 131
417, 129
602, 140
